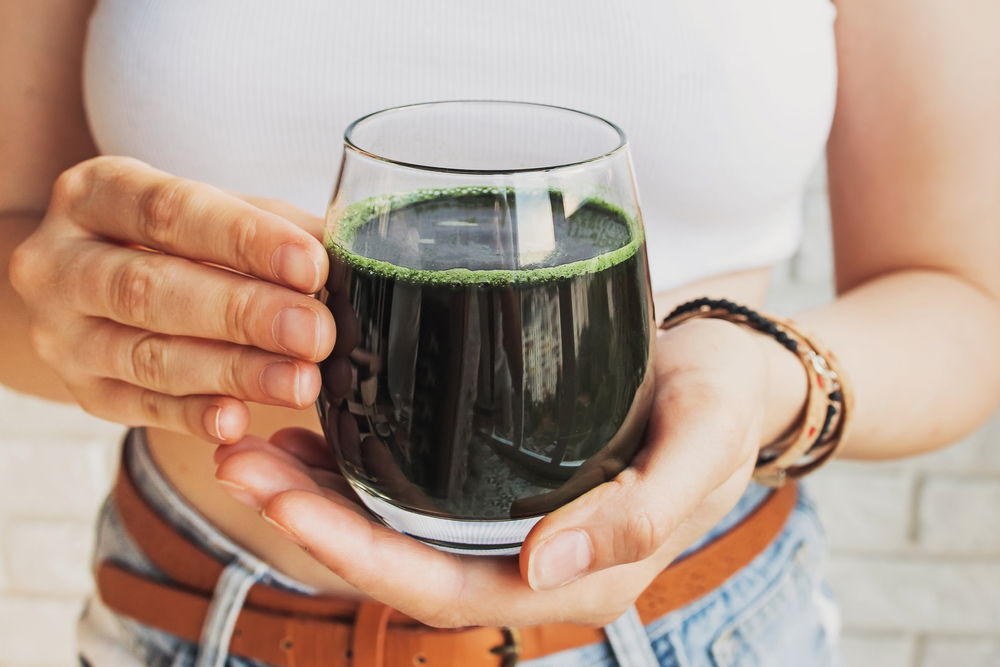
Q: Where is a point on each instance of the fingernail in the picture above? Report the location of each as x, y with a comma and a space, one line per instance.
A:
560, 559
296, 330
292, 264
284, 531
239, 492
282, 381
212, 421
220, 423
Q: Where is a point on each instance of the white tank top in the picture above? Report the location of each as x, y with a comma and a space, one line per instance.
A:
727, 104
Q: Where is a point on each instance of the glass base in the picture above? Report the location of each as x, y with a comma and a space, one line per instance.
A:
470, 537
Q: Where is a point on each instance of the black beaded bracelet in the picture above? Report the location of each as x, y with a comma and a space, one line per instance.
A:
753, 318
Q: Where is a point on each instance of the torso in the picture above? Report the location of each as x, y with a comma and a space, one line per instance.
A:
727, 106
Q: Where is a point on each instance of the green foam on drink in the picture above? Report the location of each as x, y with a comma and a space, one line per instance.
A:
357, 215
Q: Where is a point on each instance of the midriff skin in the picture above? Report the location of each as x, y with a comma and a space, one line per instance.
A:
188, 462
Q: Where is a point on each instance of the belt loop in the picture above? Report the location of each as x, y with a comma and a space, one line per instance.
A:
227, 603
510, 650
368, 638
629, 641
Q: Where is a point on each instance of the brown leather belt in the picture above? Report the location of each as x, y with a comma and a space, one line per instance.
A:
288, 629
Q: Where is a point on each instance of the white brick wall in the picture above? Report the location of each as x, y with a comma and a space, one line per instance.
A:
960, 652
38, 631
878, 649
48, 557
944, 527
915, 544
55, 466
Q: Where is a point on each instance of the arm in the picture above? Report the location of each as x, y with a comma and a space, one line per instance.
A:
42, 132
914, 170
914, 179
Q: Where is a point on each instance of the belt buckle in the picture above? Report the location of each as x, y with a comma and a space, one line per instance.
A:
510, 650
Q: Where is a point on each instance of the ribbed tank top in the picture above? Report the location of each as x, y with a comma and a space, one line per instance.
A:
727, 104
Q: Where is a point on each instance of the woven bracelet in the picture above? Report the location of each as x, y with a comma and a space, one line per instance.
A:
829, 401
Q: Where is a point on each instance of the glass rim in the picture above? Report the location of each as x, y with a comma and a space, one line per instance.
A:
350, 145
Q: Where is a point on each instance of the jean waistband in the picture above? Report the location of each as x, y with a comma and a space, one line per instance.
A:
162, 496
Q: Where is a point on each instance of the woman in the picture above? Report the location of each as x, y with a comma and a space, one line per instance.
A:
224, 119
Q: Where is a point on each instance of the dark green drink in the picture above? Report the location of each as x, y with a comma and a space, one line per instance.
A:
470, 384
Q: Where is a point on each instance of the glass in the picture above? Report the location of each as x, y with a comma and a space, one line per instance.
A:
494, 317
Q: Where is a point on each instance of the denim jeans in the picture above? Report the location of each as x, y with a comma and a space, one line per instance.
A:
776, 612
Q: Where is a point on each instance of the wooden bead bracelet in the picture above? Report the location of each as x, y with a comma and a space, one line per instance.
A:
812, 440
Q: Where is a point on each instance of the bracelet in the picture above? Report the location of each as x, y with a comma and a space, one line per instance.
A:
829, 399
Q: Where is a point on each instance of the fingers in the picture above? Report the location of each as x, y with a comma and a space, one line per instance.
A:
83, 265
130, 201
303, 444
692, 448
391, 567
294, 446
434, 587
257, 470
217, 418
264, 472
402, 572
307, 221
337, 377
175, 296
181, 366
379, 462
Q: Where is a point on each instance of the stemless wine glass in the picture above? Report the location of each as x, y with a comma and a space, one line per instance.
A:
494, 317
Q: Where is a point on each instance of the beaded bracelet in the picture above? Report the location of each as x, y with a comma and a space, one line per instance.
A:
829, 401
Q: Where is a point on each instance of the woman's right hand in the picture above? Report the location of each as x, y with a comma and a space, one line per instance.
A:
128, 309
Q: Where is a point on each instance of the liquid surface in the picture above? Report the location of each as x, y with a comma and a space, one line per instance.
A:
493, 350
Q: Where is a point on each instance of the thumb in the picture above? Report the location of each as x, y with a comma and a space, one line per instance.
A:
621, 521
630, 517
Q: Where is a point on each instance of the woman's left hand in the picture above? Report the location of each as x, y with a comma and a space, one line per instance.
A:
584, 563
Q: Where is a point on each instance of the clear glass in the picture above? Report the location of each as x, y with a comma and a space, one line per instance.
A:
491, 291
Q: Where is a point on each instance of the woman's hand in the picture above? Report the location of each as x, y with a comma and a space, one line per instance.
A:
168, 303
584, 563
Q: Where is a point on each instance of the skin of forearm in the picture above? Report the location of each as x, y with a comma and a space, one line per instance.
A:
921, 349
21, 368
